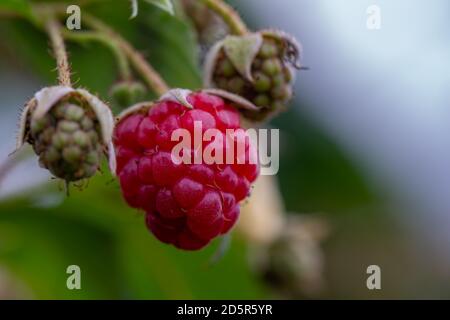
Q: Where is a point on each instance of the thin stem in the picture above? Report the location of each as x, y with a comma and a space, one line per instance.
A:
87, 36
9, 14
54, 31
151, 77
229, 15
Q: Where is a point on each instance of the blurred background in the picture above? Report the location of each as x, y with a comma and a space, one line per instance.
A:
364, 170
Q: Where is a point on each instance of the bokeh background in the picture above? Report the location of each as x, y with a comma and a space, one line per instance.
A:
365, 147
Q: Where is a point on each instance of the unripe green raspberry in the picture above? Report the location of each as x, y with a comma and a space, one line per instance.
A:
68, 130
86, 124
89, 170
262, 100
74, 113
65, 145
292, 264
72, 154
40, 124
282, 92
93, 136
272, 66
92, 157
263, 62
262, 82
127, 93
81, 139
222, 82
279, 80
51, 155
60, 140
226, 68
236, 85
268, 49
67, 126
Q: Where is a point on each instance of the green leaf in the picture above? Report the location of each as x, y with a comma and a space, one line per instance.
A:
173, 49
20, 7
38, 246
118, 257
134, 9
165, 5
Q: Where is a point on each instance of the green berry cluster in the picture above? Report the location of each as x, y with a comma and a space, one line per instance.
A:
271, 88
67, 141
127, 93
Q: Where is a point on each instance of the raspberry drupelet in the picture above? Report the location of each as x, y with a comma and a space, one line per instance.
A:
186, 204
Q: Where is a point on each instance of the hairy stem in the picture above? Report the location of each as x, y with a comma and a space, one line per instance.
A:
54, 31
88, 36
229, 15
151, 77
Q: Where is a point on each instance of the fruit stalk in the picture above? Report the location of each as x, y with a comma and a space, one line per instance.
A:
148, 73
54, 31
87, 36
229, 15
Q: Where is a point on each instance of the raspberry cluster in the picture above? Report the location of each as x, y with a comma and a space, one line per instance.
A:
271, 88
187, 205
66, 139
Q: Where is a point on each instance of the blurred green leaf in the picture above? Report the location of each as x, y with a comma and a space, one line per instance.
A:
20, 7
165, 5
118, 256
173, 47
39, 246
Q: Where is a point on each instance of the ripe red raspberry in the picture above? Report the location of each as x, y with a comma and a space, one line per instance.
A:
187, 205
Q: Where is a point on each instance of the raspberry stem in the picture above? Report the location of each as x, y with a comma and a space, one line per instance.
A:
54, 31
228, 14
148, 73
9, 14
